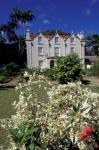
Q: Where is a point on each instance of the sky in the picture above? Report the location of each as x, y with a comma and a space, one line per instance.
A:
67, 15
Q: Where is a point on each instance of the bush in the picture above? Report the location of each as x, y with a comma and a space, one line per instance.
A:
12, 69
68, 69
94, 70
3, 79
70, 119
50, 73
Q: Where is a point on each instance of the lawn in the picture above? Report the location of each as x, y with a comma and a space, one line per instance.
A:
7, 96
94, 89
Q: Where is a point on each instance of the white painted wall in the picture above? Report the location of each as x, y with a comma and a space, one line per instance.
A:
48, 51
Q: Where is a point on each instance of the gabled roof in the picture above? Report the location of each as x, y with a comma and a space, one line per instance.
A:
49, 36
65, 37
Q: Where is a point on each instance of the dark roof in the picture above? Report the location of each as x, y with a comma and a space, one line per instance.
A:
49, 36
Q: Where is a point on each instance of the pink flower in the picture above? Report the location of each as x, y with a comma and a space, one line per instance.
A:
86, 132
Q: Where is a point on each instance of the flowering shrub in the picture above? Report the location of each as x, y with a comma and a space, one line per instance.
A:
68, 120
86, 132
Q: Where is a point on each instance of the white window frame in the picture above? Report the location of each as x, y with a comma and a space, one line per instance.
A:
40, 42
55, 54
72, 42
72, 50
42, 51
57, 41
39, 64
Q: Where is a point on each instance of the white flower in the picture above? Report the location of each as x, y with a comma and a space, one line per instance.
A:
26, 74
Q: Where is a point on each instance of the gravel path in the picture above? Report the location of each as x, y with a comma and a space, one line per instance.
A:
92, 80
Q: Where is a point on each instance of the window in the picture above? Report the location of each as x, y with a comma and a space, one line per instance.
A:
56, 40
72, 50
51, 63
40, 51
40, 40
40, 63
72, 40
56, 51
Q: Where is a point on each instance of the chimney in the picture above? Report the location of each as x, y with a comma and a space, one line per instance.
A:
27, 35
81, 35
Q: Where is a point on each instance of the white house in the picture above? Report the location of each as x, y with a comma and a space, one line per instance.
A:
44, 48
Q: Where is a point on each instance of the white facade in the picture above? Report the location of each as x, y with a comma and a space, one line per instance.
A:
42, 50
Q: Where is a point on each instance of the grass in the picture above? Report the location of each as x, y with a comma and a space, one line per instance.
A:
7, 96
93, 88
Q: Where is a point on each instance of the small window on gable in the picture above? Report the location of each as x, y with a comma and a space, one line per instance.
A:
40, 51
40, 40
72, 50
72, 40
56, 40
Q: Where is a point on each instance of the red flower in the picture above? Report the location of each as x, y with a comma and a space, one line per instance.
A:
86, 132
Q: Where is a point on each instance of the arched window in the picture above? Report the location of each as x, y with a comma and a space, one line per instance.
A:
51, 63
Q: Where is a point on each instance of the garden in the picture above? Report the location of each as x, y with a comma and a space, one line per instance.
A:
51, 114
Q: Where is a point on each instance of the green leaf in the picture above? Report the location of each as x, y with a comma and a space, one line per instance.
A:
22, 127
32, 146
15, 135
31, 131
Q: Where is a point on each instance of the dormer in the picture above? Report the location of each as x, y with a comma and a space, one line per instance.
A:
57, 40
40, 39
72, 39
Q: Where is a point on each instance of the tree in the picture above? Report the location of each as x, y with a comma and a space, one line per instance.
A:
93, 42
17, 18
68, 69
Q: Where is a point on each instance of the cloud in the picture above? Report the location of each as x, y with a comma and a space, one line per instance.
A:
87, 12
94, 1
45, 21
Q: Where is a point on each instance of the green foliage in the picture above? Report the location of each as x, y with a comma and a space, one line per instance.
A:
50, 73
94, 70
3, 78
61, 119
93, 41
68, 69
29, 136
16, 18
12, 69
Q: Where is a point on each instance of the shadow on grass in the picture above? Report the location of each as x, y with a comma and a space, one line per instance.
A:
5, 87
85, 82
